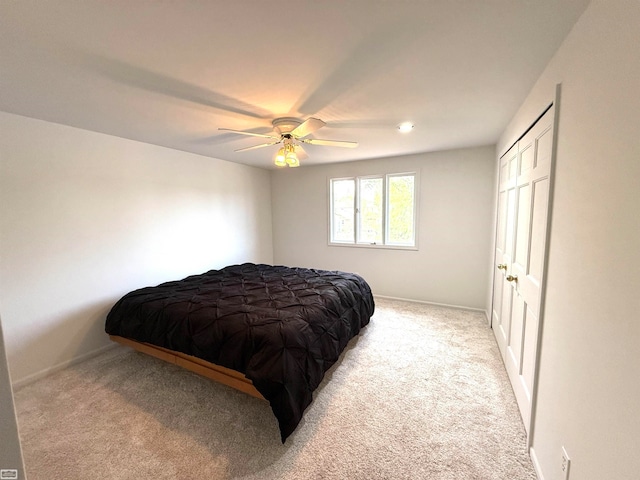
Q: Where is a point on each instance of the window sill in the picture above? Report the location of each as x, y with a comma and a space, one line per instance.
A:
374, 246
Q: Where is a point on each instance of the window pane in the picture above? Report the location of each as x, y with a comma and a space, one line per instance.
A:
401, 210
343, 213
370, 218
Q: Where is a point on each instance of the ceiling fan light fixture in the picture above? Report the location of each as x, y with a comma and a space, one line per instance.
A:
291, 158
405, 127
280, 159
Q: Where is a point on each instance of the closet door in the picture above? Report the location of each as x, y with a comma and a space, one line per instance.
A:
523, 205
502, 291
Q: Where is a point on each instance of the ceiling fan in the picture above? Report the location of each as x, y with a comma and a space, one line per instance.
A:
291, 133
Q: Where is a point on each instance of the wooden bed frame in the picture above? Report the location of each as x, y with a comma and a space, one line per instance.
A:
220, 374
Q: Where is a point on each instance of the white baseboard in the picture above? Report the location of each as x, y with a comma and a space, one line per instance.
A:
459, 307
536, 464
60, 366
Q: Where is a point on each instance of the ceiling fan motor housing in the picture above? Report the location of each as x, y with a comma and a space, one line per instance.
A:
285, 125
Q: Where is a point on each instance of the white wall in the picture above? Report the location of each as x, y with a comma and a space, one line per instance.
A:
86, 217
589, 384
11, 452
454, 236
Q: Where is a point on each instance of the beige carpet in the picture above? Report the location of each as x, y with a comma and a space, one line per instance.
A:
420, 394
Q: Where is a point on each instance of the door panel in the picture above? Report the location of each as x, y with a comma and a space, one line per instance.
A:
527, 159
502, 222
505, 316
513, 167
538, 228
510, 233
544, 146
522, 233
515, 336
504, 168
528, 352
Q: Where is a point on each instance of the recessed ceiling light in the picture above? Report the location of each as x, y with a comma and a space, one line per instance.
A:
405, 127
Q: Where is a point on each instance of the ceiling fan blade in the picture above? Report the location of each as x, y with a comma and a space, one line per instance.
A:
248, 133
329, 143
300, 153
307, 127
257, 146
136, 76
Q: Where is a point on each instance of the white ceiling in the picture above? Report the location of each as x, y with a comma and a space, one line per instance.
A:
172, 72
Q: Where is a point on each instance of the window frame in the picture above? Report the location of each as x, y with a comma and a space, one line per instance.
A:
385, 212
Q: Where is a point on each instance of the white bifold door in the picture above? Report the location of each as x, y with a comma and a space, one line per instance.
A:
523, 205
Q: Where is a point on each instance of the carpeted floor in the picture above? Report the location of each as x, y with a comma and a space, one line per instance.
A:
420, 394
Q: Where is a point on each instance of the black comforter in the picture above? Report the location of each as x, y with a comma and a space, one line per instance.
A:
282, 327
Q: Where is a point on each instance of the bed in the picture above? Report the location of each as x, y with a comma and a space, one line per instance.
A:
269, 331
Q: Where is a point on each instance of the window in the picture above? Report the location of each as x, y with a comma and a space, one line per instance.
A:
373, 210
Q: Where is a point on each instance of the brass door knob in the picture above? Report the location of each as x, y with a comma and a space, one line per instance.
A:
512, 278
502, 266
